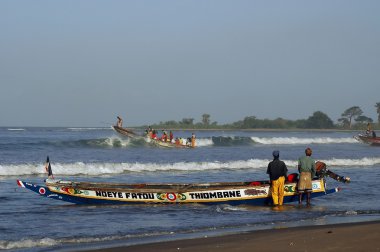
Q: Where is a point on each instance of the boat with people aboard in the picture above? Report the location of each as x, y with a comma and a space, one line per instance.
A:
368, 139
152, 138
233, 193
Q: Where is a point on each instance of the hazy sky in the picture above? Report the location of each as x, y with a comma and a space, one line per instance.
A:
82, 63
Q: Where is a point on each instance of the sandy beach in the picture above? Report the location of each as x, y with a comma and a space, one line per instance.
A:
364, 236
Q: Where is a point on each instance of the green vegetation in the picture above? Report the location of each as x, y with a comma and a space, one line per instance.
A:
351, 118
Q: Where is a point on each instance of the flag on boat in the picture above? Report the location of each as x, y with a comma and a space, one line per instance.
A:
48, 168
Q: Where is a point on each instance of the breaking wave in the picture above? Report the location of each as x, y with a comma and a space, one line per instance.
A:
237, 140
49, 242
297, 140
222, 141
95, 169
120, 142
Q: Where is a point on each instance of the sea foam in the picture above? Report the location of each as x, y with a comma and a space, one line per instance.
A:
297, 140
94, 169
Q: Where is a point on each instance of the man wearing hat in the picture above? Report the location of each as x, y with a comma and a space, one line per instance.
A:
277, 172
306, 168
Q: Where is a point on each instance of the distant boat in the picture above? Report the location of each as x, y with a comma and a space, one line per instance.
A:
233, 193
368, 139
157, 142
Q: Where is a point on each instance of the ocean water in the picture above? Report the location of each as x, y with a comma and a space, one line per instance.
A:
29, 222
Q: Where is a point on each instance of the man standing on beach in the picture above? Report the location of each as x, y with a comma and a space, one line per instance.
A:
306, 168
277, 172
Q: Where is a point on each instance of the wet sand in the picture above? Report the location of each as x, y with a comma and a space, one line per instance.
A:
364, 236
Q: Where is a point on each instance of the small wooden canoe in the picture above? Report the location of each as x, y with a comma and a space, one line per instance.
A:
156, 142
126, 132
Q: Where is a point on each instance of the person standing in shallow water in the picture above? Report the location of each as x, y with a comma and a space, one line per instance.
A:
306, 168
277, 171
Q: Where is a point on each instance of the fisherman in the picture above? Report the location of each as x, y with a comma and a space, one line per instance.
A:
177, 141
188, 141
171, 136
164, 136
119, 122
154, 134
369, 129
149, 132
193, 140
306, 168
277, 171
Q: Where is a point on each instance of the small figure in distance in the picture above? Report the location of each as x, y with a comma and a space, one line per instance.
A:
149, 132
119, 122
171, 136
306, 168
369, 129
177, 141
188, 141
193, 140
164, 136
277, 171
154, 134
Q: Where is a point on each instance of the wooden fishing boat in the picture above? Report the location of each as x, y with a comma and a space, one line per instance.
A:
166, 144
126, 132
368, 139
156, 142
233, 193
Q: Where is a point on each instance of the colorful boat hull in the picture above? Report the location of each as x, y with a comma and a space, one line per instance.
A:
215, 193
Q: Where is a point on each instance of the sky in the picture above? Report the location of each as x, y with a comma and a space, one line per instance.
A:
84, 62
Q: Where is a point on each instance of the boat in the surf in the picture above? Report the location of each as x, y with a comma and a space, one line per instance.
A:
157, 142
126, 132
368, 139
232, 193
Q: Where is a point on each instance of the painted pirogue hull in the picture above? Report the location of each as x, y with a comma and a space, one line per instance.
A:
131, 134
368, 139
126, 132
257, 193
166, 144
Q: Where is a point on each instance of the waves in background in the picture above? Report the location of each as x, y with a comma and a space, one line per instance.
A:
93, 169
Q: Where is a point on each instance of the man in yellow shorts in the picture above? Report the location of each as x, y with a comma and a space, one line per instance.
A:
306, 168
277, 172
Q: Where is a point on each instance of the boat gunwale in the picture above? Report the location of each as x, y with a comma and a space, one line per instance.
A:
179, 188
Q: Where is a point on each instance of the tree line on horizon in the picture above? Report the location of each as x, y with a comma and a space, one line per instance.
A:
351, 118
